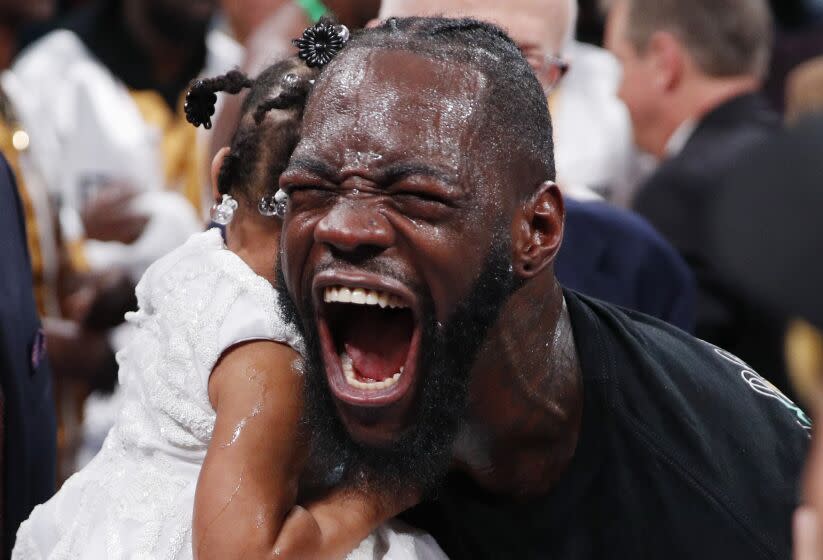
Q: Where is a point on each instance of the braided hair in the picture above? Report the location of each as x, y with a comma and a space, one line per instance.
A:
279, 93
517, 116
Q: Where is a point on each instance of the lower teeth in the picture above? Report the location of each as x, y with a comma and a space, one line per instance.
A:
351, 377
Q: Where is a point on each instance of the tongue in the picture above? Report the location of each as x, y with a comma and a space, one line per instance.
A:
378, 343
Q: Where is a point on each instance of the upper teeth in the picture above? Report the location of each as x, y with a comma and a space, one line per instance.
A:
360, 296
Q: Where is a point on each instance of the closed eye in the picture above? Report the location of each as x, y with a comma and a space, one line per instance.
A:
422, 204
421, 196
309, 195
296, 187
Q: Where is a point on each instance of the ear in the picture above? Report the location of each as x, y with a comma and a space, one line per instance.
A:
216, 165
669, 59
537, 231
372, 23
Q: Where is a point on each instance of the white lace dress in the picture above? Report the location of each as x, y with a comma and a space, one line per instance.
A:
134, 500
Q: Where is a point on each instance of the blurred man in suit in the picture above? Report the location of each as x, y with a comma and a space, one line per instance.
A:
28, 418
691, 71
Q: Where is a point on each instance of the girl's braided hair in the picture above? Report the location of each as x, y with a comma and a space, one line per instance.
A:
281, 88
278, 92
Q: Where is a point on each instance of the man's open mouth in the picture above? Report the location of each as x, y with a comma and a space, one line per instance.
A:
369, 335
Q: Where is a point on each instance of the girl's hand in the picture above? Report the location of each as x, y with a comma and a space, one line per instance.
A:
300, 537
334, 525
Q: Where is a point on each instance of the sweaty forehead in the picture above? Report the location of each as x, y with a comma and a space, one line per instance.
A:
393, 105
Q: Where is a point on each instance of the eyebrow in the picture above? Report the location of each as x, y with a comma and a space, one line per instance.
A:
313, 166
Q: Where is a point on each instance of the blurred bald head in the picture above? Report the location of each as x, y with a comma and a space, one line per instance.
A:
535, 25
17, 12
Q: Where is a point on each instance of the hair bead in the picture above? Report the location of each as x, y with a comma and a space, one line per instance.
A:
200, 102
202, 95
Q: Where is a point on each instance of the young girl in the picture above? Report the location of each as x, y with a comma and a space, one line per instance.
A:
206, 454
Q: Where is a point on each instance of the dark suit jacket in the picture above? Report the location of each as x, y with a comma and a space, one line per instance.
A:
29, 426
676, 200
616, 256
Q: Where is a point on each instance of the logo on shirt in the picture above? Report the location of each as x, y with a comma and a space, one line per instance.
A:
763, 387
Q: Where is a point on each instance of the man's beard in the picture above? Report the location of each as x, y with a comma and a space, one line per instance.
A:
420, 457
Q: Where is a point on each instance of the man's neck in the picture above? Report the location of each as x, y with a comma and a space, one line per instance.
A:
526, 400
698, 99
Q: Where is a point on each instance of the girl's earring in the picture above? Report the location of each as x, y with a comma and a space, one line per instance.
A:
223, 211
274, 205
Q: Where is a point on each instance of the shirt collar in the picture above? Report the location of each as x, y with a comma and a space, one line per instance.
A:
680, 137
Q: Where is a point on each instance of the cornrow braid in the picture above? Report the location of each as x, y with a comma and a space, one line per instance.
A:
202, 96
293, 94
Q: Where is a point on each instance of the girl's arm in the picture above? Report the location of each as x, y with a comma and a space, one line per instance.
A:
245, 501
248, 482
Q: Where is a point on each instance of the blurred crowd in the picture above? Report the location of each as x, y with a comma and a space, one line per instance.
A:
688, 145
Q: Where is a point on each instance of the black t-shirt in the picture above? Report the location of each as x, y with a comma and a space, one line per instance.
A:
684, 452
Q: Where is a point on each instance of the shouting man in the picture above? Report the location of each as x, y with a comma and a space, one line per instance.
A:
419, 245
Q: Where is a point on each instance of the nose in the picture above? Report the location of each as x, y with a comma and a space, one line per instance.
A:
353, 226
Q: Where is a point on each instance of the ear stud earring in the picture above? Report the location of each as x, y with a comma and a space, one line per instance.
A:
223, 211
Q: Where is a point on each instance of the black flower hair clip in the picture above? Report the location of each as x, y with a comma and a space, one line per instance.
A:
321, 42
199, 106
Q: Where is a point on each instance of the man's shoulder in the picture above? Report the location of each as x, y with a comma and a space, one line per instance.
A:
612, 220
718, 142
614, 230
699, 425
654, 360
617, 256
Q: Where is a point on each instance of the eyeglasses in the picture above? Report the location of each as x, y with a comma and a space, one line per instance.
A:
548, 68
